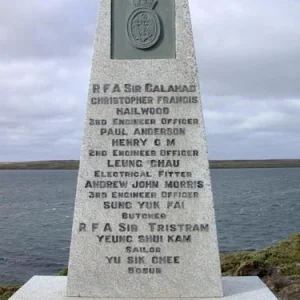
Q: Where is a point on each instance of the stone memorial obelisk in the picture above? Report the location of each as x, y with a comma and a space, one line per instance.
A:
144, 222
144, 211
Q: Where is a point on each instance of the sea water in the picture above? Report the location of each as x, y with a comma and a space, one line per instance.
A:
254, 208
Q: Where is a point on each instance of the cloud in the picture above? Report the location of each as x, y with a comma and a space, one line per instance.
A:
248, 48
42, 30
248, 59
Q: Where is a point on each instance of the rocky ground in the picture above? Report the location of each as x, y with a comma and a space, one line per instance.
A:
278, 266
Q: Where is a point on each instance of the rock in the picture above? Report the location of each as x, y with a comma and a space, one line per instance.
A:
253, 268
291, 292
277, 281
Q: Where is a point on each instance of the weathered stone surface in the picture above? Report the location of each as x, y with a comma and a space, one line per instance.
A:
54, 288
144, 223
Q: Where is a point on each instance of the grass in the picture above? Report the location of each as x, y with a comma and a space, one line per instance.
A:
7, 291
284, 255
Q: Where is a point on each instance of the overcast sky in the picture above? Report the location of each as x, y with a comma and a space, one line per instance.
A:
248, 55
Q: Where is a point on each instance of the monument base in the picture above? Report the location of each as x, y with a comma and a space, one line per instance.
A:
54, 288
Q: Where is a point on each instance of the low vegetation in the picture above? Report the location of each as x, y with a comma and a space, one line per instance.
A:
284, 256
278, 266
7, 291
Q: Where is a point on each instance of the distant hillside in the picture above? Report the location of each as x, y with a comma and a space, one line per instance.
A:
214, 164
270, 163
41, 165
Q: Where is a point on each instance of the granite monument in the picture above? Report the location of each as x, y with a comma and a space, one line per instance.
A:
144, 211
144, 222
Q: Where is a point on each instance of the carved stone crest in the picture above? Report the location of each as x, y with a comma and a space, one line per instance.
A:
143, 26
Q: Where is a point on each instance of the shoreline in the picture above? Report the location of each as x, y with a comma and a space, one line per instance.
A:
278, 266
214, 164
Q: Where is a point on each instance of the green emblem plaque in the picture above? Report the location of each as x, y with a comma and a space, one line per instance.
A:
143, 29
